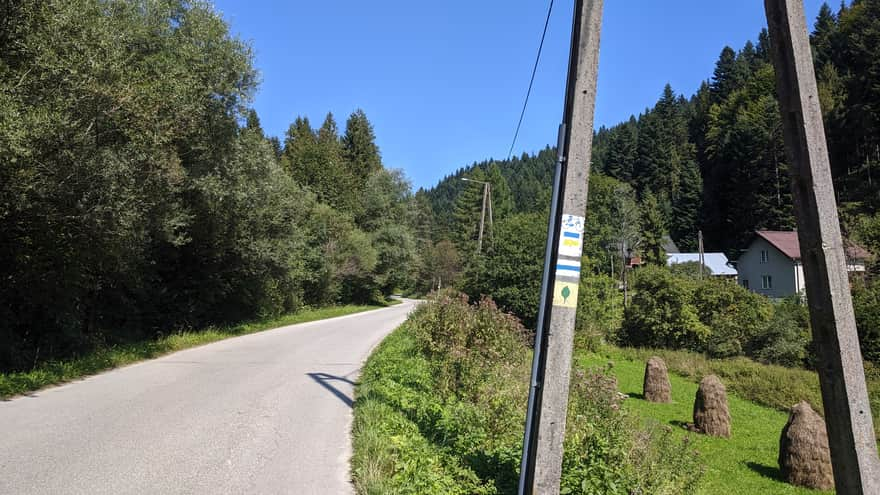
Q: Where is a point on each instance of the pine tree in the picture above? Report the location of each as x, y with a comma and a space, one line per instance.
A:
686, 209
824, 36
467, 212
653, 230
666, 165
253, 122
620, 156
314, 159
359, 148
725, 78
502, 200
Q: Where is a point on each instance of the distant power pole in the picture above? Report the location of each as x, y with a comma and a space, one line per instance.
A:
841, 373
541, 468
483, 217
702, 254
487, 201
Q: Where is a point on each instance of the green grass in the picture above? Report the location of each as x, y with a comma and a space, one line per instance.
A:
776, 387
53, 373
744, 464
403, 434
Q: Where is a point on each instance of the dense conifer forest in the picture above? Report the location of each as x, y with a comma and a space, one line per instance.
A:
715, 160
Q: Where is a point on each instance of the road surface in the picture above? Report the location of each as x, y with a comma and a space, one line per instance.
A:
267, 413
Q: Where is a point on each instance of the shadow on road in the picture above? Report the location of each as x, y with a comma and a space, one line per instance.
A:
324, 379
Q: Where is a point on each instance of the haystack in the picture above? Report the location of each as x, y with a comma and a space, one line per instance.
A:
711, 414
804, 457
656, 387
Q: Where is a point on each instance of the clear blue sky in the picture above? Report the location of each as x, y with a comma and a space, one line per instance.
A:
443, 82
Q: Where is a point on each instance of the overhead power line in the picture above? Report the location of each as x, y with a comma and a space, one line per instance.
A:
531, 81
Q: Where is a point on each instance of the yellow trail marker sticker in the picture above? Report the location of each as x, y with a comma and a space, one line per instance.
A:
565, 294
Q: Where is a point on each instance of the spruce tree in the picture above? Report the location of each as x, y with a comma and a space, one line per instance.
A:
724, 79
467, 211
253, 122
653, 230
502, 200
359, 148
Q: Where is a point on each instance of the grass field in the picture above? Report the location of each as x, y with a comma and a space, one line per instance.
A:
53, 373
744, 464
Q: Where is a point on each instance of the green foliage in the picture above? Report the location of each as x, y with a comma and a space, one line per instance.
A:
714, 316
654, 228
468, 212
662, 313
613, 223
734, 316
689, 269
442, 402
359, 149
139, 192
600, 309
502, 199
61, 371
866, 302
511, 269
716, 162
602, 456
786, 338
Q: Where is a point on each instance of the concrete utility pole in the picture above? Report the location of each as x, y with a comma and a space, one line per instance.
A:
702, 254
483, 217
541, 468
487, 198
841, 373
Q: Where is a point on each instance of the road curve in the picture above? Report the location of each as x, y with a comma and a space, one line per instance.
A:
267, 413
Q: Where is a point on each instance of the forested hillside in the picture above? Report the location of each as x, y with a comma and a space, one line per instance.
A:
139, 194
714, 161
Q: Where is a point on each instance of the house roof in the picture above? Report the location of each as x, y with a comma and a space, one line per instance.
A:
717, 262
787, 243
669, 245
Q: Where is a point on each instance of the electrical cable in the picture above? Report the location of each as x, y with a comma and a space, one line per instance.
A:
531, 82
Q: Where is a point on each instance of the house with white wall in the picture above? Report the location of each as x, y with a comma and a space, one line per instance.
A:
772, 263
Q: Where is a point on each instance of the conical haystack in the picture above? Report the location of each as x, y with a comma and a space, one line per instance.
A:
711, 414
657, 387
804, 457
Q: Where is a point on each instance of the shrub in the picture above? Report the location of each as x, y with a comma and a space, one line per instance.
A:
511, 268
734, 315
608, 452
786, 336
600, 310
866, 302
661, 313
441, 409
465, 342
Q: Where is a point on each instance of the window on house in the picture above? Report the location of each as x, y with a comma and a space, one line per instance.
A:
765, 256
766, 282
745, 283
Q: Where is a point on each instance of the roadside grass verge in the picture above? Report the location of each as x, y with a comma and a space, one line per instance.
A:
393, 452
440, 409
747, 462
772, 386
57, 372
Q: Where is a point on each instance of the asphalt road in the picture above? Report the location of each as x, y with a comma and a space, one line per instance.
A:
267, 413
